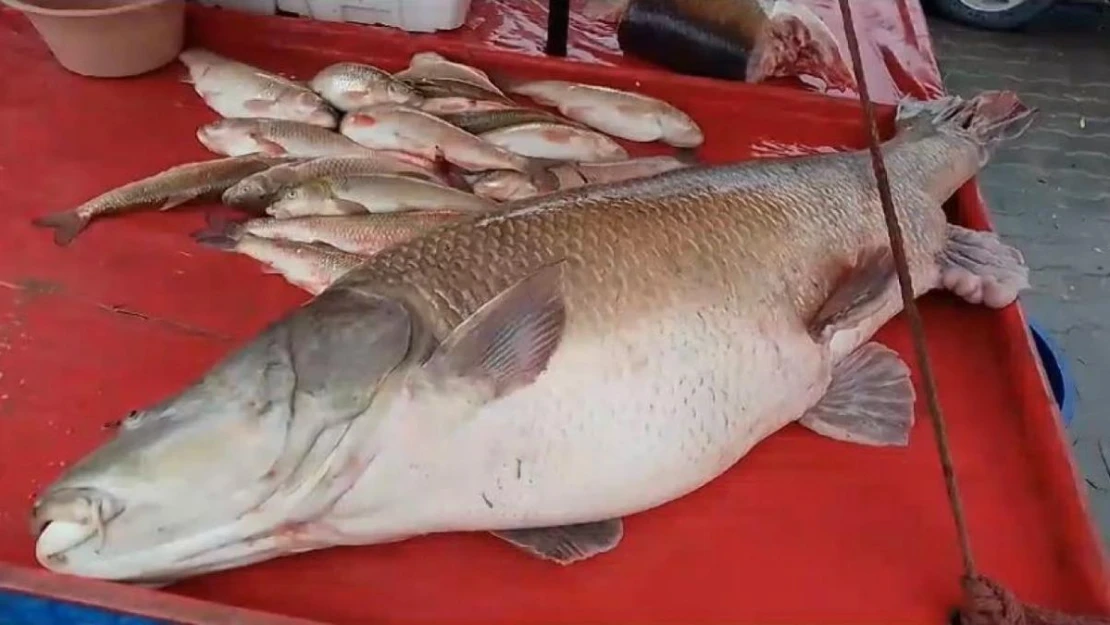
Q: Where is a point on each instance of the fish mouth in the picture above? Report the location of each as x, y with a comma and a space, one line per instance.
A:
67, 518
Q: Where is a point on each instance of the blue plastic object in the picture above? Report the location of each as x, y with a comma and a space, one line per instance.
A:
21, 609
1056, 368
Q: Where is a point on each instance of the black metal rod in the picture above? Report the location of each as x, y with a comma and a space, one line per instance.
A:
558, 23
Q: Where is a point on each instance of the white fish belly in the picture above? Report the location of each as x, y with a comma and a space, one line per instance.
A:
617, 424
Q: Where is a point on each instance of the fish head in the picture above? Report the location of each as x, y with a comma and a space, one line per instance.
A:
300, 199
794, 43
504, 185
231, 136
240, 467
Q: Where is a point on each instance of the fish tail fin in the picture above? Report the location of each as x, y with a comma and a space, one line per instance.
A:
66, 225
988, 119
688, 156
220, 233
793, 42
978, 267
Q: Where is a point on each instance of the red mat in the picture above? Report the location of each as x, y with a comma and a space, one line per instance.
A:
802, 530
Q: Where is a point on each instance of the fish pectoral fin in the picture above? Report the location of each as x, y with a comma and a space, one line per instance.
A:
869, 401
176, 200
259, 105
268, 147
858, 293
566, 544
981, 269
509, 340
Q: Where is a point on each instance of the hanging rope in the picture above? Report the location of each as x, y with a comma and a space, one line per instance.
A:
985, 601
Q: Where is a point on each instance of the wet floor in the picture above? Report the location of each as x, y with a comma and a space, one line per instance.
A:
1049, 194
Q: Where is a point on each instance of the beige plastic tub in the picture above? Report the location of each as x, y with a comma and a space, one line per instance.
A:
108, 38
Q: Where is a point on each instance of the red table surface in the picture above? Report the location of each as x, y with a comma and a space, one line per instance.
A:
803, 529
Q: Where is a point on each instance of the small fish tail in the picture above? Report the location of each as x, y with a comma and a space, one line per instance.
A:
66, 225
688, 156
988, 119
220, 233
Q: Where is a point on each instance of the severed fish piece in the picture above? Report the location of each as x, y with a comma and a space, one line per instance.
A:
164, 190
235, 89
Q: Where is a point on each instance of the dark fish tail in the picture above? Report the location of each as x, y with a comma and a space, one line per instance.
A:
66, 224
220, 233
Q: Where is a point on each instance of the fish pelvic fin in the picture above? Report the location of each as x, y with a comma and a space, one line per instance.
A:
858, 293
987, 119
220, 233
66, 225
566, 544
508, 342
980, 268
869, 401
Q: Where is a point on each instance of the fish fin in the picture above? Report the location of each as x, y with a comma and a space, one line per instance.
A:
980, 268
219, 232
266, 146
987, 119
258, 105
176, 200
566, 544
348, 207
509, 340
858, 293
687, 156
869, 401
67, 225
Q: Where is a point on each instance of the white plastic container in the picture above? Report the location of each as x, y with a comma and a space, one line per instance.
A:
265, 7
422, 16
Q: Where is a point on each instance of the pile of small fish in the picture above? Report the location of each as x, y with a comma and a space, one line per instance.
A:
357, 159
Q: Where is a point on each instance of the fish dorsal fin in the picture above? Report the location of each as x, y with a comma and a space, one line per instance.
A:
507, 342
858, 293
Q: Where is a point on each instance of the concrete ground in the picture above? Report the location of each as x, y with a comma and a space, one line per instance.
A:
1049, 194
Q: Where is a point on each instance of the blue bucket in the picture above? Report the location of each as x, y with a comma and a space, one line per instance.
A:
1056, 369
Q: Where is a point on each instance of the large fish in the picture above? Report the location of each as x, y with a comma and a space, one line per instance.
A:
261, 189
623, 114
235, 89
179, 184
544, 370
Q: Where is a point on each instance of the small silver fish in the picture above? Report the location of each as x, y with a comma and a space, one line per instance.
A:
167, 189
235, 89
435, 65
374, 193
310, 266
503, 186
546, 140
275, 137
349, 86
365, 234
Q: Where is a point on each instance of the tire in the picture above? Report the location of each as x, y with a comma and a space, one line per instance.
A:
1006, 19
